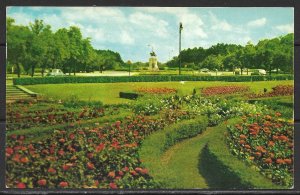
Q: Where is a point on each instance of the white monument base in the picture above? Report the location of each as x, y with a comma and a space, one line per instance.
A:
153, 64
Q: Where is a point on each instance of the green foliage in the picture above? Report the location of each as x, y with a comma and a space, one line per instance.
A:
183, 130
149, 105
37, 46
268, 54
74, 102
145, 78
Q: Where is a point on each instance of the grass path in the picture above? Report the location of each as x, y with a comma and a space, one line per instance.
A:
178, 167
184, 159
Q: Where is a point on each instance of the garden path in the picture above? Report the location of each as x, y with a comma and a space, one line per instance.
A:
186, 153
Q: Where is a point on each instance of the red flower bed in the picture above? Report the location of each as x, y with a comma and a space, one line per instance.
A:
157, 90
91, 157
267, 142
279, 90
224, 90
20, 120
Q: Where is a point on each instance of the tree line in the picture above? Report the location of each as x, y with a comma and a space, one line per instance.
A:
36, 46
269, 54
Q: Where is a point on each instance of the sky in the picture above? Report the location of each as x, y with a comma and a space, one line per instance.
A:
134, 31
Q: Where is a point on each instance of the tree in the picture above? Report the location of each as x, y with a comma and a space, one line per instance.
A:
75, 48
213, 62
17, 42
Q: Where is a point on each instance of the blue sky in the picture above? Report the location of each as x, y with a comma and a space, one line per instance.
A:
129, 30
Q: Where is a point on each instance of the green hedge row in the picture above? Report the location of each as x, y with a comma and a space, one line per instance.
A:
144, 78
183, 130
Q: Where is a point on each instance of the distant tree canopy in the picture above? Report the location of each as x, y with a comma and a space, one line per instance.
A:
269, 54
37, 46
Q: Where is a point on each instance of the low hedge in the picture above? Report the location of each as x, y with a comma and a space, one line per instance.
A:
129, 95
155, 144
144, 78
183, 130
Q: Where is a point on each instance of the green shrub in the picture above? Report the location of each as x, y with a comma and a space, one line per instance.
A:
129, 95
184, 130
144, 78
74, 102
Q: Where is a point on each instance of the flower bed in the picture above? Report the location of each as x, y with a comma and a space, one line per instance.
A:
20, 120
224, 90
279, 90
267, 143
163, 90
93, 157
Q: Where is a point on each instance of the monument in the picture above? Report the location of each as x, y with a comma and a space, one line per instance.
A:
153, 62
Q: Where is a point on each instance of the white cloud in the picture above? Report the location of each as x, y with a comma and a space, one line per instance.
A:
286, 28
219, 24
125, 38
149, 23
22, 18
257, 23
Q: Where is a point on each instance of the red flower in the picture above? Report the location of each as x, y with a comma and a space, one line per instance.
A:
90, 155
21, 185
258, 154
9, 151
51, 170
63, 184
125, 169
90, 165
61, 152
283, 138
113, 186
24, 160
100, 147
121, 173
62, 140
288, 161
133, 173
243, 136
242, 142
144, 171
96, 183
280, 161
271, 143
71, 136
111, 174
118, 123
268, 161
42, 182
66, 167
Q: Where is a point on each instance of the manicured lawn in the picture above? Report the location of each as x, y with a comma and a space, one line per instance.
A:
108, 93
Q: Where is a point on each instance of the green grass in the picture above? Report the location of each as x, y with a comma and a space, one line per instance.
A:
108, 93
193, 164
